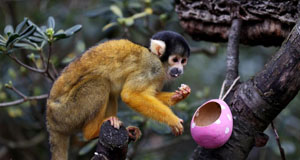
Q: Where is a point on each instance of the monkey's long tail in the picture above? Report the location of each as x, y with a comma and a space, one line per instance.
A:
59, 144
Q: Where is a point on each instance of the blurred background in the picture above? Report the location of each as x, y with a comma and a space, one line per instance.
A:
23, 133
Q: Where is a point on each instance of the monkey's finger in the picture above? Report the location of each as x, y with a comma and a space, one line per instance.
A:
176, 131
117, 123
110, 119
181, 121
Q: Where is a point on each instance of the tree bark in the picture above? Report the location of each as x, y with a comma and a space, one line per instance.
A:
264, 22
112, 143
256, 102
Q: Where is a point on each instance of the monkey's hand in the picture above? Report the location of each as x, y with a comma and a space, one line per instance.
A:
178, 128
134, 133
114, 121
182, 92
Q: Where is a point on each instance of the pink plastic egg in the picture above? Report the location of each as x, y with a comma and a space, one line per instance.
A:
211, 126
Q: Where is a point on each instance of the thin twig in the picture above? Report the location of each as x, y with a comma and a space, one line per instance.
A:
42, 58
19, 101
49, 55
54, 70
43, 71
232, 57
17, 91
25, 65
278, 142
48, 63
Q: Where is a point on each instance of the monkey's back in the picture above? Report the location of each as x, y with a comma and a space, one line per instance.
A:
113, 60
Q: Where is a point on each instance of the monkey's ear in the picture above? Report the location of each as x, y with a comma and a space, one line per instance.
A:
157, 47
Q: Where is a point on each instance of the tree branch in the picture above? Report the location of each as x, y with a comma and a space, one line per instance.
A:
232, 57
256, 102
278, 141
112, 143
43, 71
19, 101
265, 22
25, 65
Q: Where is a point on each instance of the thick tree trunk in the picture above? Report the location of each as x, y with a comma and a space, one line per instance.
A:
265, 22
256, 102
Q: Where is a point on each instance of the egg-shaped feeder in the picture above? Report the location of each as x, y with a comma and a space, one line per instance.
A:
211, 125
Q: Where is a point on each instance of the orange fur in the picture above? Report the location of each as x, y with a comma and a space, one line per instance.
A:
87, 91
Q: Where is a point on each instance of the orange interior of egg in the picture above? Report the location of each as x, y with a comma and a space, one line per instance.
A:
207, 114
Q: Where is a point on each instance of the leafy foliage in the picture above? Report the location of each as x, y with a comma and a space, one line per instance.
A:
102, 20
28, 35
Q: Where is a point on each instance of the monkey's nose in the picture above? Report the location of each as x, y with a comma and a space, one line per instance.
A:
175, 72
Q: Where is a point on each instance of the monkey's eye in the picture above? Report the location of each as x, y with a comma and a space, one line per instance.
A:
175, 59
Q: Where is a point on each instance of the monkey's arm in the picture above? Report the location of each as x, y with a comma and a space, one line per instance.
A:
147, 104
171, 98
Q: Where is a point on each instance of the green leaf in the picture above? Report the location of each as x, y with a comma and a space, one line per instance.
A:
29, 42
109, 25
35, 39
44, 28
11, 39
2, 38
37, 34
73, 30
27, 32
2, 44
21, 25
116, 10
8, 30
51, 22
38, 29
60, 36
129, 21
43, 44
41, 33
24, 46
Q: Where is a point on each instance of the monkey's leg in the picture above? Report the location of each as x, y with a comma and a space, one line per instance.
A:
92, 128
99, 90
59, 145
112, 108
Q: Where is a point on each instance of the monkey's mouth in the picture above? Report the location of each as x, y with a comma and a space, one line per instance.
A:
174, 75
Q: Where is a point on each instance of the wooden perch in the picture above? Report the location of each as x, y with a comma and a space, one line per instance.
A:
256, 102
264, 22
112, 143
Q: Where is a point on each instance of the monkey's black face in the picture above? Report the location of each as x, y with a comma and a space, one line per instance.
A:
175, 66
172, 49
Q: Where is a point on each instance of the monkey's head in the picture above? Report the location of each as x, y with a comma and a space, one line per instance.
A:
173, 51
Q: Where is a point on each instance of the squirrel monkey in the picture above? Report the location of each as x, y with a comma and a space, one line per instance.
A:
86, 93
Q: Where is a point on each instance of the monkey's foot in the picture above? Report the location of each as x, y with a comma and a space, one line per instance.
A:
182, 92
114, 121
134, 133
